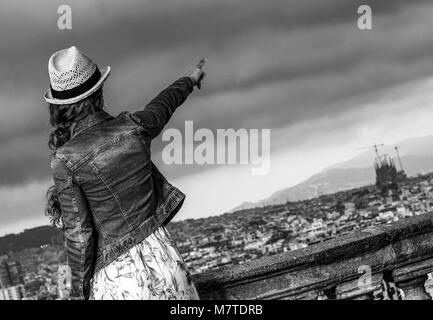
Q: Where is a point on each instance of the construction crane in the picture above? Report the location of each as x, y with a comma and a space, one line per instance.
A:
375, 147
398, 157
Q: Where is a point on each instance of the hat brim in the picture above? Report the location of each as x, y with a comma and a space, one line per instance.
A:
105, 72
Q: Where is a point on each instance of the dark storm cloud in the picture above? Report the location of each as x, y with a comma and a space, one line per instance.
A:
271, 63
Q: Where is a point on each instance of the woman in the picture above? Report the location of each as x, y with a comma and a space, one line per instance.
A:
108, 197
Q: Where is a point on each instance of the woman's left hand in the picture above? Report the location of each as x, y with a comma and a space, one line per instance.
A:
197, 74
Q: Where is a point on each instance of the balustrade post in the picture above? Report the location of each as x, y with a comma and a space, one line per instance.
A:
359, 289
412, 278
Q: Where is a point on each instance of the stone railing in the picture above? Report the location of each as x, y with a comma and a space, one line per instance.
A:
384, 262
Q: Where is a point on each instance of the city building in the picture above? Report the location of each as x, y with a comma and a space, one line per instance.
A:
10, 273
13, 293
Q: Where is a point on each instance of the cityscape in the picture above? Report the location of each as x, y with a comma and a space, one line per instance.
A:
235, 238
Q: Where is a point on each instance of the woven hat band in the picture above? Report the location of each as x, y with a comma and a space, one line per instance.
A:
78, 90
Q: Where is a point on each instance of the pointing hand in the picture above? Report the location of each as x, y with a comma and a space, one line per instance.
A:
197, 74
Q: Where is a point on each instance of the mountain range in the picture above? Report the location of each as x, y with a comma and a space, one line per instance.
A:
416, 156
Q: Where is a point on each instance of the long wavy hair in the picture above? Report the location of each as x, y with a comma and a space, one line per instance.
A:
64, 118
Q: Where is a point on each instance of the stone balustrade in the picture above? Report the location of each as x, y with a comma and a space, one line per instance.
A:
387, 262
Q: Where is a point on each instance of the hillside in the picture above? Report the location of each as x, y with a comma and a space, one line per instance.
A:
416, 157
29, 238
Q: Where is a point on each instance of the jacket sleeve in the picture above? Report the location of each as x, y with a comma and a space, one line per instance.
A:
78, 229
156, 114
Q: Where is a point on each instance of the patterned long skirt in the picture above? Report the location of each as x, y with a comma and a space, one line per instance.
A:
151, 270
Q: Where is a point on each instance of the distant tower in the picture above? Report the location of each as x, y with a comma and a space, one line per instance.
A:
376, 149
398, 157
387, 176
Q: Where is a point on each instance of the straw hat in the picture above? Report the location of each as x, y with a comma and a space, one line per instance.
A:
73, 77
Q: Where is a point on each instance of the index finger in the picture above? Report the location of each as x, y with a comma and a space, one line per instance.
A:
201, 63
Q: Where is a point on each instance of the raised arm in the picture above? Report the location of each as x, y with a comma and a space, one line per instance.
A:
158, 112
78, 229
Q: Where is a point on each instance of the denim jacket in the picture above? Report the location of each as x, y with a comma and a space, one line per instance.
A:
112, 196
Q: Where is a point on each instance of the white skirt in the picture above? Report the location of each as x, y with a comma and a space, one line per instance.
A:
151, 270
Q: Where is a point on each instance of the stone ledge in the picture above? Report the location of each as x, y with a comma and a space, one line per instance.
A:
308, 271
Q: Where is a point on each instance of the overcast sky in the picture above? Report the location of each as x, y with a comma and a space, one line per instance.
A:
301, 68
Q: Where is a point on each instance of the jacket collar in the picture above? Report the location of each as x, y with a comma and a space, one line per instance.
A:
89, 121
